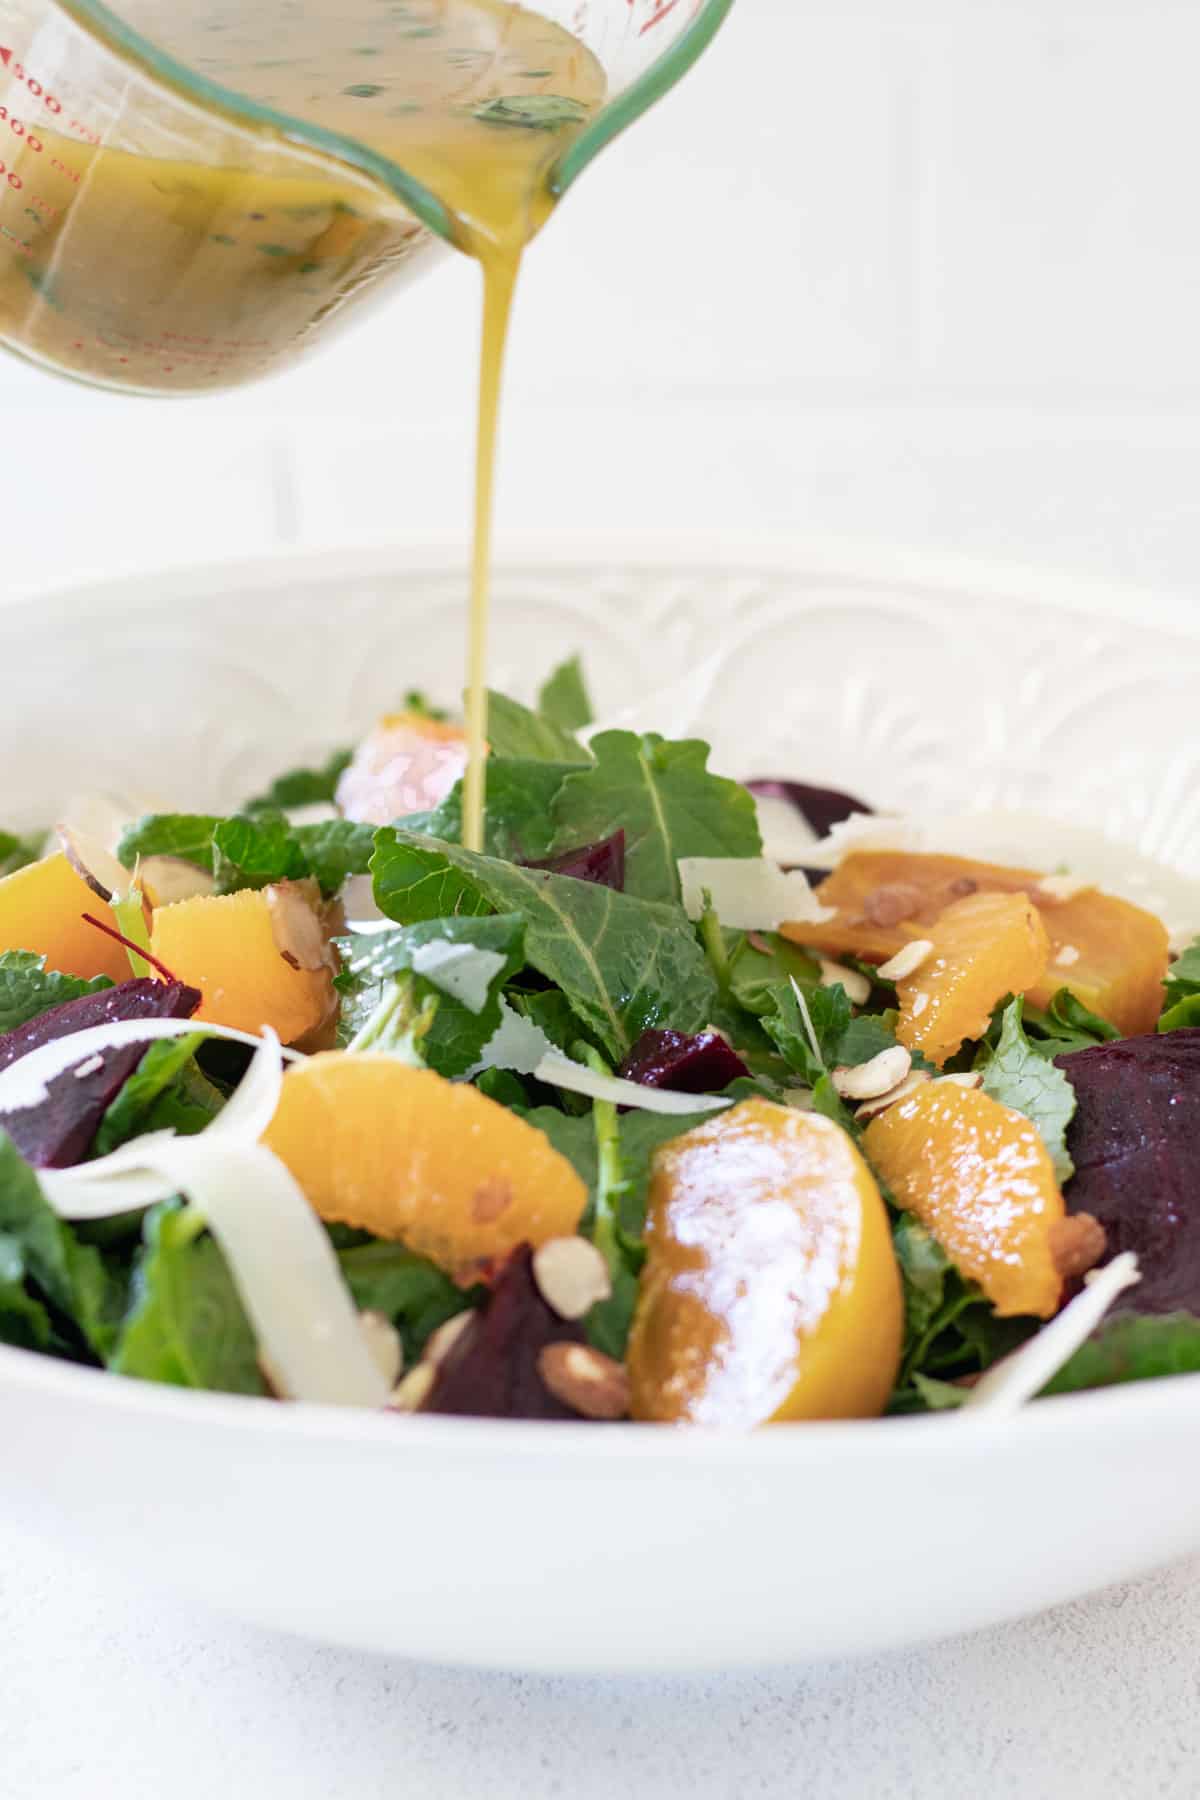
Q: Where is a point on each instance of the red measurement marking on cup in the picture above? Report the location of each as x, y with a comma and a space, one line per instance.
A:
19, 129
19, 73
661, 9
51, 102
10, 178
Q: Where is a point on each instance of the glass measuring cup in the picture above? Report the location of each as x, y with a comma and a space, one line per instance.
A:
162, 231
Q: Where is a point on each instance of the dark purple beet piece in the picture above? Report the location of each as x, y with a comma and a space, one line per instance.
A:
821, 808
1135, 1141
704, 1064
58, 1133
491, 1371
602, 863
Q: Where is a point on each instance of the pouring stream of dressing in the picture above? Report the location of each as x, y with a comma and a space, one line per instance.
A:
475, 99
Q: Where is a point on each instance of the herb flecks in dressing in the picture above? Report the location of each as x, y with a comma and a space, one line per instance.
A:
183, 272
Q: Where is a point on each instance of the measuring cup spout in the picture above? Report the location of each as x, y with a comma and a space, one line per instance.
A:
191, 196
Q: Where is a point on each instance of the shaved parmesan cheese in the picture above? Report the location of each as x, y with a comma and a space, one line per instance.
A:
463, 971
516, 1044
523, 1047
749, 893
25, 1083
557, 1070
1026, 840
252, 1107
279, 1253
283, 1266
786, 835
1023, 1375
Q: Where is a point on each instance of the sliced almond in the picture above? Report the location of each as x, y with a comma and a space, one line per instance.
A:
906, 962
166, 879
571, 1275
892, 903
965, 1078
879, 1076
441, 1342
383, 1341
412, 1393
107, 878
585, 1380
834, 974
296, 925
871, 1108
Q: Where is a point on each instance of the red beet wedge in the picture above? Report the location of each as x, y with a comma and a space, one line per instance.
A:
58, 1133
1135, 1141
704, 1064
491, 1372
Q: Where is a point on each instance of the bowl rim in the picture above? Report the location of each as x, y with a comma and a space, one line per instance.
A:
1123, 1414
838, 559
1131, 1409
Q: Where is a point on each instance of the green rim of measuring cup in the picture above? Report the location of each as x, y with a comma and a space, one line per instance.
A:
641, 94
106, 25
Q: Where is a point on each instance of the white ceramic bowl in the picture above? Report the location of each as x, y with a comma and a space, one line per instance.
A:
565, 1547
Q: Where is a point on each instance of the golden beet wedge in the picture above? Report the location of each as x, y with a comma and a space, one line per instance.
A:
434, 1164
770, 1290
259, 957
42, 908
978, 1175
1110, 954
984, 947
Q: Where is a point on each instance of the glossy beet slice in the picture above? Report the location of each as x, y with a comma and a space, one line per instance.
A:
58, 1133
602, 863
704, 1064
1135, 1142
821, 808
491, 1372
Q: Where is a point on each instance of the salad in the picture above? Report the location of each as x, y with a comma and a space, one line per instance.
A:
687, 1101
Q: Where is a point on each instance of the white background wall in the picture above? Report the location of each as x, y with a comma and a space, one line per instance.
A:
926, 274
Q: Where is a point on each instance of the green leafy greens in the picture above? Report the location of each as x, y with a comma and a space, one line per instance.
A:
70, 1276
1017, 1076
28, 988
564, 699
254, 850
16, 852
664, 799
186, 1325
303, 787
1182, 1008
623, 964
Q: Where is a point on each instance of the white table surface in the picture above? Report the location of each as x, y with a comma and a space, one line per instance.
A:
107, 1692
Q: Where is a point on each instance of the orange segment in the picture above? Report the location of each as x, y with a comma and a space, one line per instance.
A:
407, 1155
886, 898
252, 968
42, 908
1108, 952
770, 1290
1112, 956
408, 764
984, 947
978, 1175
